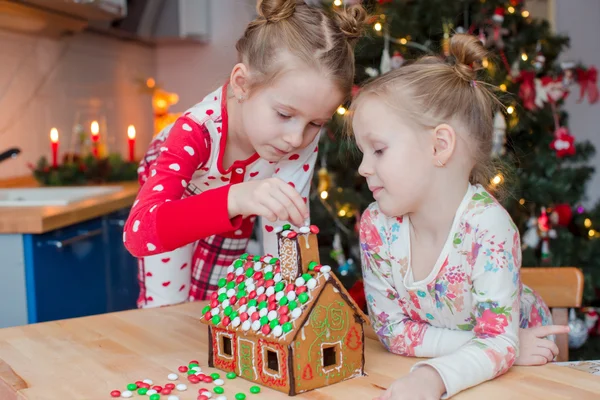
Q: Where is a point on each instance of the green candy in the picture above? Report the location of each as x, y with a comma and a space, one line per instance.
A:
252, 303
292, 305
286, 227
222, 297
284, 300
280, 286
306, 277
287, 327
205, 310
222, 282
191, 372
262, 304
131, 386
268, 276
256, 258
234, 315
228, 310
273, 261
255, 389
231, 375
219, 390
215, 376
192, 365
273, 323
244, 256
231, 285
238, 263
264, 320
155, 396
312, 265
216, 319
142, 391
242, 285
240, 396
303, 297
249, 272
241, 293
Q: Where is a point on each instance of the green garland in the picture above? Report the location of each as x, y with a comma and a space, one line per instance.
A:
75, 170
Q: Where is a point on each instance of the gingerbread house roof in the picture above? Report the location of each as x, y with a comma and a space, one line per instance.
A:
255, 300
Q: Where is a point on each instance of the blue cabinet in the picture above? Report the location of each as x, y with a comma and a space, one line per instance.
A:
79, 270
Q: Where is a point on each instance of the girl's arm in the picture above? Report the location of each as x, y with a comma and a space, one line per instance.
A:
297, 170
398, 332
160, 220
495, 324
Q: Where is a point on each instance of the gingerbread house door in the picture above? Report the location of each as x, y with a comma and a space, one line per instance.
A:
246, 362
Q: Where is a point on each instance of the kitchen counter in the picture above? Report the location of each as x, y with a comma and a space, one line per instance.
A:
36, 220
87, 358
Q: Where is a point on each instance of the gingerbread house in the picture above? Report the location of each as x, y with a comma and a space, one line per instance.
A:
287, 323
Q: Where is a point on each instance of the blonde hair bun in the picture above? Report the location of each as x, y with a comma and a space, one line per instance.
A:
468, 54
351, 21
276, 10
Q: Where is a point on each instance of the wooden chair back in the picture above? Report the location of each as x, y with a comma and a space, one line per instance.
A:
561, 288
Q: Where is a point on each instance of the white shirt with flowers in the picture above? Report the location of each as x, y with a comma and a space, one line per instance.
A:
467, 312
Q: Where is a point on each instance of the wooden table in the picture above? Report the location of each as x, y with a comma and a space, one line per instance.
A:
88, 357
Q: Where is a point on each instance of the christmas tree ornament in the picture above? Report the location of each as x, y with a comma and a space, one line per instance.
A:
528, 90
561, 215
499, 137
568, 75
482, 37
372, 72
588, 83
515, 68
496, 31
397, 60
531, 237
578, 333
386, 61
590, 317
539, 62
563, 143
546, 233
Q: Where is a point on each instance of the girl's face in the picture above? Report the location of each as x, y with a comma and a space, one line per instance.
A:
286, 115
396, 157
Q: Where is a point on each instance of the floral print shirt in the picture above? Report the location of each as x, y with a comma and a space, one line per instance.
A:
466, 313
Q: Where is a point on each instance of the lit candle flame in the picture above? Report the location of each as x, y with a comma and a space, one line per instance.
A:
54, 135
95, 128
131, 132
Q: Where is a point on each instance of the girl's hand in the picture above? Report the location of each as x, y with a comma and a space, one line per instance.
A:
424, 383
534, 348
270, 198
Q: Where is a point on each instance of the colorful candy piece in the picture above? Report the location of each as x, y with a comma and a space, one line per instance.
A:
219, 390
127, 394
219, 382
231, 375
181, 387
255, 389
173, 398
151, 392
142, 391
173, 377
240, 396
132, 386
115, 393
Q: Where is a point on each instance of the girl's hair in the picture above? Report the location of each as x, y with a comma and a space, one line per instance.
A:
434, 90
319, 40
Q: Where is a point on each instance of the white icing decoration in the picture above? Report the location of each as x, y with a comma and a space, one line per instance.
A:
291, 296
304, 229
335, 290
278, 229
311, 284
277, 278
236, 322
285, 233
277, 331
151, 247
303, 334
256, 325
246, 325
300, 281
326, 276
173, 377
263, 312
272, 315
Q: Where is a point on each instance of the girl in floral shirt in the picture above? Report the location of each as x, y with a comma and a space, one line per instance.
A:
248, 149
440, 255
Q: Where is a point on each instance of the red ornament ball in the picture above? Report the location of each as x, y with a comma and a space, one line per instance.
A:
565, 214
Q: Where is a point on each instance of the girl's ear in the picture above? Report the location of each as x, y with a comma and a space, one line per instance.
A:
444, 143
240, 81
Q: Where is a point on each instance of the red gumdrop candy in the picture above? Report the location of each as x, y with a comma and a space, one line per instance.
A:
183, 368
261, 298
290, 287
266, 329
283, 310
240, 279
157, 388
272, 299
252, 294
171, 386
208, 379
300, 289
139, 384
115, 393
214, 303
258, 276
269, 283
283, 319
207, 317
243, 300
214, 296
255, 316
272, 306
202, 397
244, 316
233, 300
166, 391
193, 379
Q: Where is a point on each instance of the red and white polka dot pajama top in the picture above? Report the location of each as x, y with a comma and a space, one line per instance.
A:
179, 225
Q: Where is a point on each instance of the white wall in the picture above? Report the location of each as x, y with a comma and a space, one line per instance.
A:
44, 83
580, 20
193, 71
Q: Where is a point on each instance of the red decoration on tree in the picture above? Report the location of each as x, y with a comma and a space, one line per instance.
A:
527, 89
562, 214
515, 3
563, 143
357, 292
588, 81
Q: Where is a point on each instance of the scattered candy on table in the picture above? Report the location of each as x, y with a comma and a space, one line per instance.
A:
173, 377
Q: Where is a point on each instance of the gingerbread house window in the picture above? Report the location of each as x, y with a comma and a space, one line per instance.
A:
226, 347
332, 356
272, 361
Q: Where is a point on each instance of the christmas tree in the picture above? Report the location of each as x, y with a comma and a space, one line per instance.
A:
542, 166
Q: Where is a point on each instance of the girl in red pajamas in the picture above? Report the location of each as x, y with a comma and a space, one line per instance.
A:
248, 149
